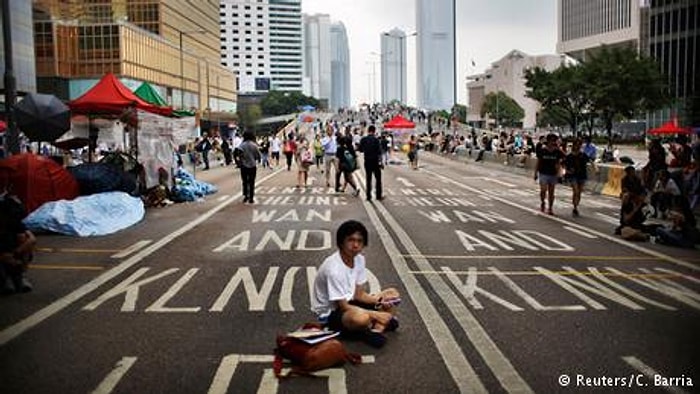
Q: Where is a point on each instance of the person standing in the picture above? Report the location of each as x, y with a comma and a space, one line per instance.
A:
304, 159
576, 173
549, 161
330, 147
275, 147
205, 147
371, 147
249, 157
413, 152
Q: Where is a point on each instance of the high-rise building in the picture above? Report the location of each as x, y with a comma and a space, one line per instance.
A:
286, 45
665, 30
317, 55
22, 30
436, 54
340, 67
245, 43
587, 24
393, 56
674, 42
173, 45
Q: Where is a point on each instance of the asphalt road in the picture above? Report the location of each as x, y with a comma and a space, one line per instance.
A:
497, 296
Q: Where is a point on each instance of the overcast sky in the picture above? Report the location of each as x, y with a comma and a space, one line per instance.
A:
486, 31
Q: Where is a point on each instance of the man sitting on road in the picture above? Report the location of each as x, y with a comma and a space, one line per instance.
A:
340, 300
16, 245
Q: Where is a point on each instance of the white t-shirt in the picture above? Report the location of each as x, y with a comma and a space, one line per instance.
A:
275, 144
335, 281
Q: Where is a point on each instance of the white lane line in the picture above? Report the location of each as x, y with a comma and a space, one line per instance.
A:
222, 198
501, 367
462, 372
131, 249
580, 232
619, 241
111, 381
405, 182
649, 372
607, 218
20, 327
499, 182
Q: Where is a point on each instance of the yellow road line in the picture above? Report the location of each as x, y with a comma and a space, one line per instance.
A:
563, 273
66, 267
71, 250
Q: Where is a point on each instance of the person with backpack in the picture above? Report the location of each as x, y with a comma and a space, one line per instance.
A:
347, 164
339, 298
289, 148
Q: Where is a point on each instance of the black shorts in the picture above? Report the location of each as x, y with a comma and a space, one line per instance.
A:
334, 321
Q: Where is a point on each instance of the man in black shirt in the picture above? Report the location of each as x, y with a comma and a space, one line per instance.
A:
16, 244
371, 147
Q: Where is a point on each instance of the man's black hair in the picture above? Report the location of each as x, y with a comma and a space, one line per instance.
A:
371, 129
349, 228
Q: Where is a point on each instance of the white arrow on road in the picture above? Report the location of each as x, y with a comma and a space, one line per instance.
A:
405, 182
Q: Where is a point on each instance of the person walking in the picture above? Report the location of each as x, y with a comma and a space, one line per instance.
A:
372, 150
413, 152
304, 159
249, 157
576, 173
289, 149
549, 160
330, 147
318, 152
347, 163
275, 147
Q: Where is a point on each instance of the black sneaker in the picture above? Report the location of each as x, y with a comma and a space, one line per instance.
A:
393, 325
575, 213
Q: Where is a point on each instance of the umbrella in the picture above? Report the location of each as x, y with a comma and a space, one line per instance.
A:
42, 117
37, 179
101, 177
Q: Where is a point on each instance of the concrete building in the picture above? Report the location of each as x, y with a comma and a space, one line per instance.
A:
172, 45
507, 75
340, 67
584, 25
393, 60
436, 54
22, 47
317, 55
286, 45
674, 42
245, 43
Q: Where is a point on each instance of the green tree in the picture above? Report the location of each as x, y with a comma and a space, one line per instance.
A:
503, 109
460, 112
623, 84
562, 94
249, 117
281, 103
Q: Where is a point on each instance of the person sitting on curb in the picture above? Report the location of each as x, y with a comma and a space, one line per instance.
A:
16, 245
339, 298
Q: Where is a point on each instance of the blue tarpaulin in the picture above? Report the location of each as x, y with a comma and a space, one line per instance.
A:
189, 189
97, 214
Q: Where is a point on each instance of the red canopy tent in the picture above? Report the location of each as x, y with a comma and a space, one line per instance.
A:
110, 96
399, 122
670, 127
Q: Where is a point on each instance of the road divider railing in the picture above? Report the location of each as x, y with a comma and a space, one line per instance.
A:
605, 179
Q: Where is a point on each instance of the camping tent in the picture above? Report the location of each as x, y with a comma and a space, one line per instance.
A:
399, 122
37, 179
110, 96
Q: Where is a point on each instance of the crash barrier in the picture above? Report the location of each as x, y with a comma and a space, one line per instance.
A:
603, 179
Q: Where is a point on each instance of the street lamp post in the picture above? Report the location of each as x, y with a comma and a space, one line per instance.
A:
182, 63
